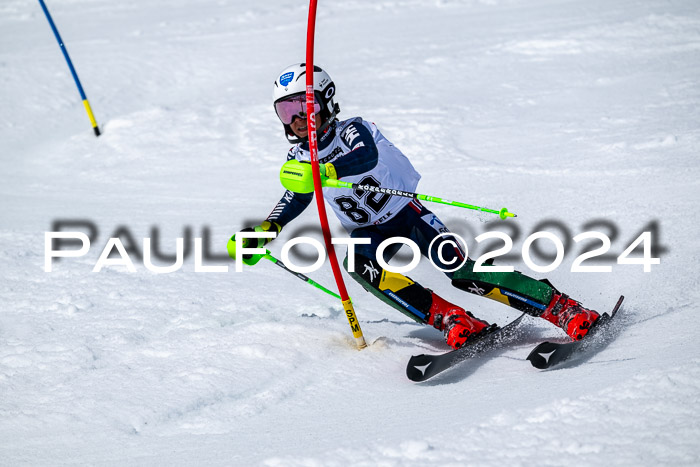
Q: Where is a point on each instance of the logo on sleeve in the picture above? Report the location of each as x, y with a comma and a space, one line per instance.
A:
350, 135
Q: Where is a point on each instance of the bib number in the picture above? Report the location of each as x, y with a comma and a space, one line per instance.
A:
350, 205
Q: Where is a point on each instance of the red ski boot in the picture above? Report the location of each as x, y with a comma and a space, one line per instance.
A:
457, 324
569, 315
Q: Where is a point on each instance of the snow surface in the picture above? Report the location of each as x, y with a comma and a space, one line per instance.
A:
560, 110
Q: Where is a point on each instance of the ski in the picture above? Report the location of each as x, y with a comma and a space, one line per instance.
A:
423, 367
549, 354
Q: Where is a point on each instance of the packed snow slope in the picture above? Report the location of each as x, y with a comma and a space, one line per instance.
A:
583, 113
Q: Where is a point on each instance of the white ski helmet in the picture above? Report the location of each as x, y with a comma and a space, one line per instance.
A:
290, 98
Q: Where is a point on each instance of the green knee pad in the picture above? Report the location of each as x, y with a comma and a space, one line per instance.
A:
511, 288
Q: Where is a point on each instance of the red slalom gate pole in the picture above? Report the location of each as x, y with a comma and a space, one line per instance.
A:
318, 190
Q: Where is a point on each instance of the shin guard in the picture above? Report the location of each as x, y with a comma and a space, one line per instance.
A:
397, 290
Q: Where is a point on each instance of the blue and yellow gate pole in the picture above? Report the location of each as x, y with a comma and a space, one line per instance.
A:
72, 70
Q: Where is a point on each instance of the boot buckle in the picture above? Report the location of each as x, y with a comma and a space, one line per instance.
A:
563, 298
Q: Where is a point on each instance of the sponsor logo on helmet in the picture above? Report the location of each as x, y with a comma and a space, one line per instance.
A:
286, 78
329, 92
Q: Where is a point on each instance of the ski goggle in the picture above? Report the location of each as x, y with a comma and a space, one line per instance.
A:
294, 106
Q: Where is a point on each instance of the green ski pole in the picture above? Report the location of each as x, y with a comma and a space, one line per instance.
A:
296, 176
330, 182
299, 275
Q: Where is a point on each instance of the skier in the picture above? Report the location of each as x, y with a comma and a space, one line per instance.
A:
354, 150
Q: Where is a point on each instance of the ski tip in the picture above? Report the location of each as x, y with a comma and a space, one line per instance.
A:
417, 366
540, 355
414, 374
537, 360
